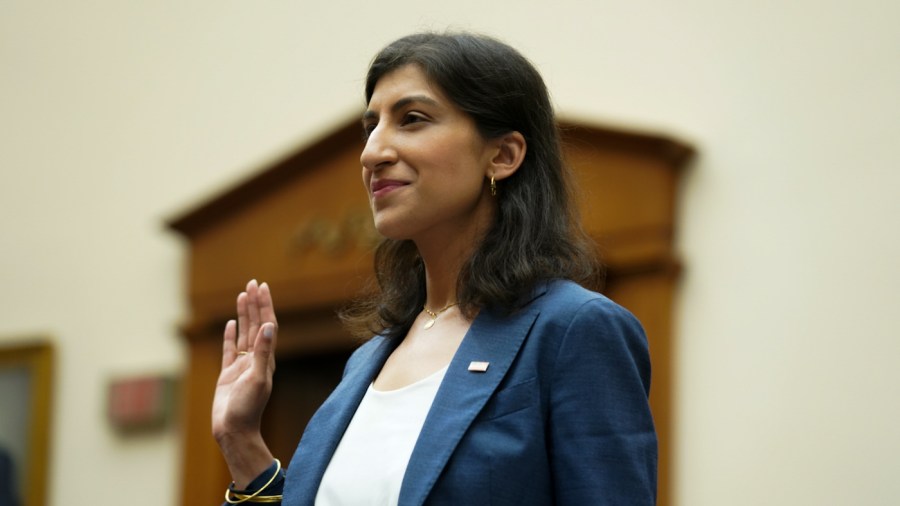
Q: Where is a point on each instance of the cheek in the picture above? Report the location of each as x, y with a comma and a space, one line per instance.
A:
456, 160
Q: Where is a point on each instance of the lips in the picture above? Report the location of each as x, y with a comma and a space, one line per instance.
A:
385, 186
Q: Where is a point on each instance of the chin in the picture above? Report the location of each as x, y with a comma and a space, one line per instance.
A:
390, 229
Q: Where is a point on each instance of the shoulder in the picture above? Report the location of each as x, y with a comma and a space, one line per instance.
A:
582, 325
567, 301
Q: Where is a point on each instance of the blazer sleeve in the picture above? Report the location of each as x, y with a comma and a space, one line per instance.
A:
603, 446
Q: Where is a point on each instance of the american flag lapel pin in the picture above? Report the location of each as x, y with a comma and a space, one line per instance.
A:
476, 366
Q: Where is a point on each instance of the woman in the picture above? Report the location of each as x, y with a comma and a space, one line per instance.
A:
493, 377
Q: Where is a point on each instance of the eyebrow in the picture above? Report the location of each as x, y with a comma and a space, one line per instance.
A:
403, 102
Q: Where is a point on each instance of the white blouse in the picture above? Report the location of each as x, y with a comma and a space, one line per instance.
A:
368, 465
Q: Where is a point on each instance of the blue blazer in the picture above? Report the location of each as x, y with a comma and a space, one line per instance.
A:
560, 416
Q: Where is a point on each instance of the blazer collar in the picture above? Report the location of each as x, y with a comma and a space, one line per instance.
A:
463, 393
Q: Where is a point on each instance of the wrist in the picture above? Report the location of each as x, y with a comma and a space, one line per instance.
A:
246, 456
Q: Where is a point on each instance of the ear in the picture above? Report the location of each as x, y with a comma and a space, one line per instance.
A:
508, 154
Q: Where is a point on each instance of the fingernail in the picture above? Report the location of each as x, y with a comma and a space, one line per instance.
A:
269, 331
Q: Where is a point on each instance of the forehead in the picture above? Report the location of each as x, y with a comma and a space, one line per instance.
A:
408, 80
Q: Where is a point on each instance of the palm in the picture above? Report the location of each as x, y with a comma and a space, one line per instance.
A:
240, 398
248, 364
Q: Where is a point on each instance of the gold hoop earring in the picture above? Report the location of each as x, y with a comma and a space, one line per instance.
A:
493, 187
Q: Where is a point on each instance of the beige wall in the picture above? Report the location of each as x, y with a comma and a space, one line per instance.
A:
115, 115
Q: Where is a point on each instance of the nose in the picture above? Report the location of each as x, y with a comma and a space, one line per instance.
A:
379, 151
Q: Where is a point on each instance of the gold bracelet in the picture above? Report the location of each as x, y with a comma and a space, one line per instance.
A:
256, 499
266, 498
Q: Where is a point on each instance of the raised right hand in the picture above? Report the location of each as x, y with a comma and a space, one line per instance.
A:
245, 383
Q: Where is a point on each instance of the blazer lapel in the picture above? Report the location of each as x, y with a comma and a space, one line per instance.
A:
327, 427
461, 396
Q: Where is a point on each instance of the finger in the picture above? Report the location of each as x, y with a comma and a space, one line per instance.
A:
265, 344
228, 345
267, 313
243, 321
266, 306
252, 313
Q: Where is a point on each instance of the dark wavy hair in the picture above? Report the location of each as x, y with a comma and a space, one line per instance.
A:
536, 235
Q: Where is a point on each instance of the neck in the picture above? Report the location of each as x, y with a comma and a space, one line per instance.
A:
444, 250
442, 267
440, 286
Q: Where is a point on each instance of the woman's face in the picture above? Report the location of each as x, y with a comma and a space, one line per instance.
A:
424, 163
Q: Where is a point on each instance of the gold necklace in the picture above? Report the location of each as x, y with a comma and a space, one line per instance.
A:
434, 315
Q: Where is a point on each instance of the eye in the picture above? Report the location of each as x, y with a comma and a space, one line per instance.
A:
412, 118
367, 130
